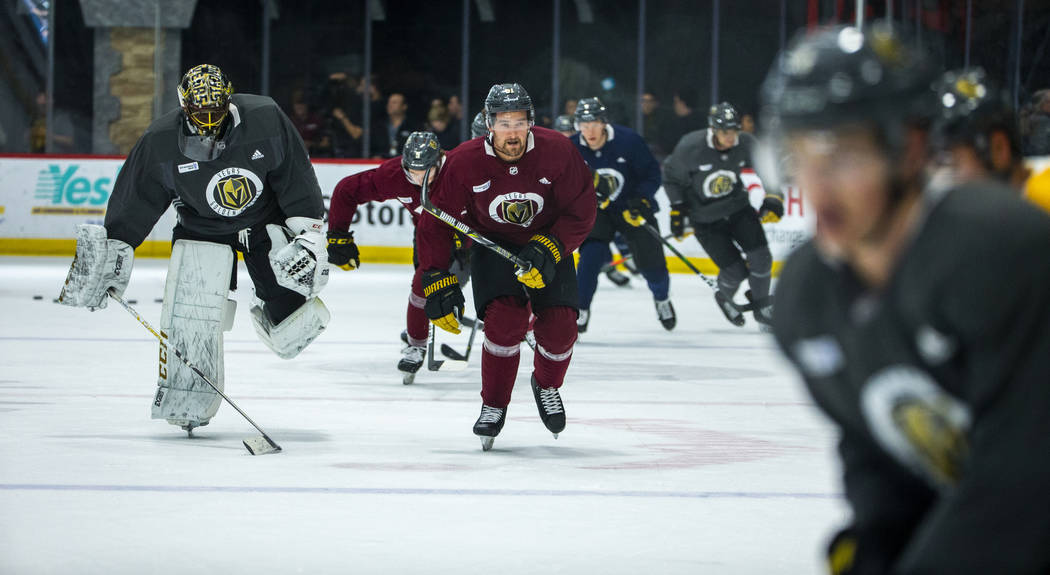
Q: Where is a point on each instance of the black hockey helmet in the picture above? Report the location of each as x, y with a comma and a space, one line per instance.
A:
204, 95
478, 128
590, 110
422, 150
970, 108
723, 117
843, 75
564, 123
508, 98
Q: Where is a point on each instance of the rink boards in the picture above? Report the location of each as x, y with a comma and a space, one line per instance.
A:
43, 198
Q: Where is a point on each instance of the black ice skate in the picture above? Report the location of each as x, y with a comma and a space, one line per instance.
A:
665, 312
411, 360
617, 277
552, 412
489, 424
730, 309
582, 321
762, 309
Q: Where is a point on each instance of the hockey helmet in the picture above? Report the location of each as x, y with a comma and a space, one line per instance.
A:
508, 98
422, 150
478, 128
564, 123
590, 110
204, 95
723, 117
969, 110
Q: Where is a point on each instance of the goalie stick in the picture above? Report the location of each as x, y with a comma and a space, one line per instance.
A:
255, 445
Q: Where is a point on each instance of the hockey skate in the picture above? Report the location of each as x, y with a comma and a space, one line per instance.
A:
582, 321
411, 360
617, 277
665, 312
762, 310
730, 309
489, 424
552, 411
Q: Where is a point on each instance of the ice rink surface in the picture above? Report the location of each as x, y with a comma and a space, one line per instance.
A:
695, 451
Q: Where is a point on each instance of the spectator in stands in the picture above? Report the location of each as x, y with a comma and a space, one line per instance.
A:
395, 129
438, 122
61, 133
455, 116
685, 119
377, 144
343, 107
1035, 125
654, 123
747, 124
310, 126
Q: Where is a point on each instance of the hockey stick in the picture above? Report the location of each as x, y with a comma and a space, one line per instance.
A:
424, 200
613, 264
452, 354
255, 445
443, 364
707, 279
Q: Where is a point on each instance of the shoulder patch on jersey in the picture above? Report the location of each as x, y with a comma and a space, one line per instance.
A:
705, 167
819, 356
481, 188
621, 160
405, 200
190, 167
544, 180
934, 346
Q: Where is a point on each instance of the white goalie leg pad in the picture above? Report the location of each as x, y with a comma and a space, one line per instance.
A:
296, 331
99, 264
192, 319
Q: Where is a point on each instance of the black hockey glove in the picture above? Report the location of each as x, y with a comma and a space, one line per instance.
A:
342, 251
638, 211
445, 301
771, 211
678, 221
604, 186
544, 252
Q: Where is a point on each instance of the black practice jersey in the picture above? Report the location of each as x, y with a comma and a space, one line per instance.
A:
262, 176
940, 385
708, 180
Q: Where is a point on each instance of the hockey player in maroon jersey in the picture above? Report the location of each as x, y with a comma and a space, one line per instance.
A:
397, 178
528, 189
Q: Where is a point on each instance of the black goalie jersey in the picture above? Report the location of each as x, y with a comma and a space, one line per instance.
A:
940, 384
262, 175
707, 180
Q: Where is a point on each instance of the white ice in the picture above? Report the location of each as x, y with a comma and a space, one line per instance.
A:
694, 451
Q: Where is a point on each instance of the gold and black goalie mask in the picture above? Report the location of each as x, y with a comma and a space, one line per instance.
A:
204, 94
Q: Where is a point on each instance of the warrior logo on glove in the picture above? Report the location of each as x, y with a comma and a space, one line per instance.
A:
233, 190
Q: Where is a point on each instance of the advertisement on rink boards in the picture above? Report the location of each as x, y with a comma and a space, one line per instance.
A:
43, 198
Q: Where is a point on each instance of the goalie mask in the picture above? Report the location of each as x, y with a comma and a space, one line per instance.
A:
204, 96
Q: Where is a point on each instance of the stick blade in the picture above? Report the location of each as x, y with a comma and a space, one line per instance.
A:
451, 353
261, 445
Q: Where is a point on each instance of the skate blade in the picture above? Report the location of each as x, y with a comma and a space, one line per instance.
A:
555, 435
261, 446
408, 378
486, 443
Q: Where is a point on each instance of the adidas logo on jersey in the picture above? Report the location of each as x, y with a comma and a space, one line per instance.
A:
620, 160
257, 155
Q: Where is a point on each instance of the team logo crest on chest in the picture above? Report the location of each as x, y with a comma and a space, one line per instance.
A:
516, 208
232, 191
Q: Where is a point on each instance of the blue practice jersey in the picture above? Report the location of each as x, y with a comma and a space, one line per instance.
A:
626, 157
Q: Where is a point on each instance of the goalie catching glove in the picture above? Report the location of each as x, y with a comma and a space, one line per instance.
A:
445, 301
638, 211
99, 264
298, 255
543, 252
342, 251
771, 211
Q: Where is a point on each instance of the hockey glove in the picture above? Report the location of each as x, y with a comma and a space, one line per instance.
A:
342, 251
298, 255
604, 186
445, 301
98, 265
638, 211
544, 252
678, 221
771, 211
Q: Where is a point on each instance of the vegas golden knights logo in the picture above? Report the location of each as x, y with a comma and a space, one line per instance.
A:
719, 183
517, 212
516, 208
233, 190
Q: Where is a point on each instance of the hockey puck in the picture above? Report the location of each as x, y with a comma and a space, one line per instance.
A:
38, 297
133, 301
158, 300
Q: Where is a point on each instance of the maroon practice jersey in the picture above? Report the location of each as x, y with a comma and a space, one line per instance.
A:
386, 182
549, 190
